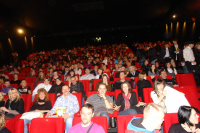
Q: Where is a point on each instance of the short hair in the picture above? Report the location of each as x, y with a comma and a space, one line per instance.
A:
88, 106
157, 82
59, 78
122, 72
129, 87
162, 70
141, 76
55, 71
23, 80
184, 113
103, 84
150, 109
2, 78
6, 81
15, 74
197, 45
2, 121
46, 78
43, 91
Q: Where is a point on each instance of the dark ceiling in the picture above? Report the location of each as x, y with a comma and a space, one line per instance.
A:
54, 16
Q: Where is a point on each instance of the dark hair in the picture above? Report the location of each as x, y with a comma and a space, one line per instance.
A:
162, 70
122, 72
129, 87
157, 82
151, 69
59, 78
6, 81
15, 74
170, 67
184, 113
72, 71
2, 77
47, 78
55, 71
23, 80
89, 106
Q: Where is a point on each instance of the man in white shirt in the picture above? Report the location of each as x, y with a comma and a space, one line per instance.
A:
166, 53
87, 75
44, 85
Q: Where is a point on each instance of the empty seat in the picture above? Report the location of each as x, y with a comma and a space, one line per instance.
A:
15, 125
30, 79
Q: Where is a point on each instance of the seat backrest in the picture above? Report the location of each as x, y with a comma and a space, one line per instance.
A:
115, 73
48, 125
9, 125
10, 77
95, 82
185, 79
85, 84
30, 79
96, 119
62, 77
14, 85
79, 98
27, 101
15, 125
170, 118
21, 76
147, 95
52, 98
123, 120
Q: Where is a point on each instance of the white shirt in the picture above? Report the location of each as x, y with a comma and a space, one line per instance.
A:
171, 71
89, 76
167, 52
78, 71
174, 99
188, 54
41, 85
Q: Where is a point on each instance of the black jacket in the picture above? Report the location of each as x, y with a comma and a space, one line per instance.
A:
56, 88
173, 52
197, 56
145, 68
78, 87
18, 106
143, 84
163, 53
152, 54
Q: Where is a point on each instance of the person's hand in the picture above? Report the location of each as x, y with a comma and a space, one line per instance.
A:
65, 116
48, 114
117, 107
175, 85
141, 104
58, 94
164, 92
197, 130
3, 93
74, 92
4, 109
103, 96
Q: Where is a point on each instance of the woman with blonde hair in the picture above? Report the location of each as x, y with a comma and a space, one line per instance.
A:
3, 128
14, 104
2, 101
42, 104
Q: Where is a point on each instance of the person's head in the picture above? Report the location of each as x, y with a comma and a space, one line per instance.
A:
153, 67
46, 81
73, 80
2, 121
41, 75
51, 70
32, 72
105, 78
197, 46
1, 97
163, 74
153, 114
87, 112
15, 69
190, 44
1, 79
15, 76
87, 71
174, 41
122, 68
126, 88
187, 115
95, 67
100, 71
23, 83
159, 85
65, 90
142, 76
13, 94
166, 45
58, 81
42, 94
157, 64
72, 73
7, 83
55, 73
131, 69
102, 88
122, 75
168, 65
66, 68
116, 66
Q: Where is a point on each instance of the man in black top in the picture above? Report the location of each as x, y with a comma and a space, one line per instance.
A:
121, 69
169, 82
66, 72
132, 74
95, 70
166, 54
57, 87
24, 89
76, 86
175, 50
118, 83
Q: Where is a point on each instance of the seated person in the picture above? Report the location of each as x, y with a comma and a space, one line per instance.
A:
99, 74
44, 85
95, 70
169, 82
87, 75
41, 104
86, 125
105, 81
127, 101
14, 71
32, 73
3, 75
4, 91
70, 102
50, 72
118, 83
3, 128
132, 74
24, 89
121, 69
188, 121
77, 70
72, 74
54, 77
1, 82
103, 104
153, 72
39, 79
66, 72
57, 87
16, 80
170, 69
14, 104
151, 121
158, 66
142, 83
105, 68
145, 67
76, 86
2, 100
169, 98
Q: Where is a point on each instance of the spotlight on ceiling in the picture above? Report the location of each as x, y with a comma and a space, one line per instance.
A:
174, 16
20, 31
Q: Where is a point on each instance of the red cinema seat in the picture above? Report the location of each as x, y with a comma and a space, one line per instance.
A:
62, 77
108, 73
95, 82
66, 82
48, 125
123, 120
79, 98
98, 120
170, 118
30, 79
185, 80
14, 85
115, 73
21, 76
10, 77
85, 84
6, 72
15, 125
52, 98
31, 85
147, 95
